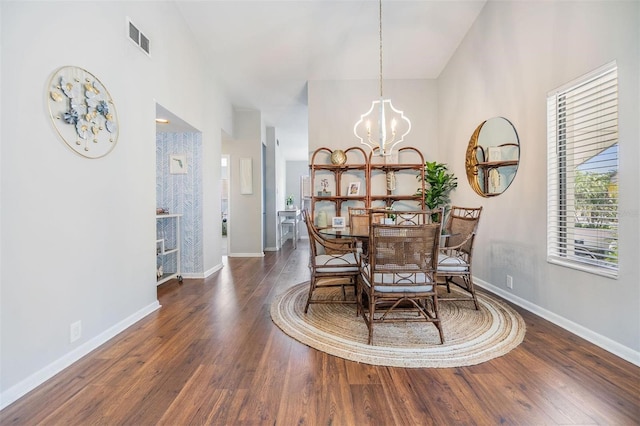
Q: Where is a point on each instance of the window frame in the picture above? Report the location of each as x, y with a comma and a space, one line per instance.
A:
564, 145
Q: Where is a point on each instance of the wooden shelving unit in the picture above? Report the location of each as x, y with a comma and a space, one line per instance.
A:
364, 168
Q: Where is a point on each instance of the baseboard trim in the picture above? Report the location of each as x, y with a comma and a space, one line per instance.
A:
39, 377
213, 270
192, 276
604, 342
245, 255
271, 249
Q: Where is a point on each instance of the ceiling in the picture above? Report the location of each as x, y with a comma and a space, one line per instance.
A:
264, 51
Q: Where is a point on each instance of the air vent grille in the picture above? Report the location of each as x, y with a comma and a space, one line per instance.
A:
144, 43
136, 36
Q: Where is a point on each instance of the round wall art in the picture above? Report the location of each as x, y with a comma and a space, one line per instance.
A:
82, 112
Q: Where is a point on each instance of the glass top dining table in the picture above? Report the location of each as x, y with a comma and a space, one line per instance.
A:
363, 232
347, 231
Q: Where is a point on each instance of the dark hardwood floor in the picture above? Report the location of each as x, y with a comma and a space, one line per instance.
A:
211, 355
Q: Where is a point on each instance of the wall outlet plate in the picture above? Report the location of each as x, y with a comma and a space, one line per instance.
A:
75, 331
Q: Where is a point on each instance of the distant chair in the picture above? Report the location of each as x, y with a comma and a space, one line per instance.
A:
289, 219
359, 217
398, 276
332, 263
418, 217
454, 260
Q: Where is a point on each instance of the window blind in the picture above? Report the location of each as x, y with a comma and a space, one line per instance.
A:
582, 179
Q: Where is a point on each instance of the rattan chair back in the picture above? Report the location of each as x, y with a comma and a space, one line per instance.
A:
398, 275
359, 217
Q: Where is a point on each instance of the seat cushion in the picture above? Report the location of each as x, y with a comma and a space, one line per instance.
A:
397, 279
337, 264
451, 264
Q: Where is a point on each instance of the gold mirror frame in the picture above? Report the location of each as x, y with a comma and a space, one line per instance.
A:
484, 174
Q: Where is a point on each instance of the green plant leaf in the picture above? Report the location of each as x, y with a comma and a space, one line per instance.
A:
438, 185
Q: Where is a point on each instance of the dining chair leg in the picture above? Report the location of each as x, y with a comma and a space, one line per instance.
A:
358, 290
437, 321
469, 283
312, 287
370, 321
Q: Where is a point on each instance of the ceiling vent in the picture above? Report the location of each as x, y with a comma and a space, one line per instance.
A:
136, 36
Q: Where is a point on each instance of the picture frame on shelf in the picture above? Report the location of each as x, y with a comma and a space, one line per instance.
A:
494, 154
338, 222
354, 189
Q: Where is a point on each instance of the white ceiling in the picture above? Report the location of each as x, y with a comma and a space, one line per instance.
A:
265, 51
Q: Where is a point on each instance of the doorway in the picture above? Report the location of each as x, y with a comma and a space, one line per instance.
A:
224, 202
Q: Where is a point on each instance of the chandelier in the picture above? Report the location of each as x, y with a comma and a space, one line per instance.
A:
383, 126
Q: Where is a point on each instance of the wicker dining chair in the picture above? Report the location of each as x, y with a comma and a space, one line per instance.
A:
410, 217
332, 263
418, 217
360, 217
454, 259
397, 280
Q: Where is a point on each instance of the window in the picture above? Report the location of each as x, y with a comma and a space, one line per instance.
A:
582, 167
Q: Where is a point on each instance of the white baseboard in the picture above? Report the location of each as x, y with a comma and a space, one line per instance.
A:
604, 342
213, 270
271, 249
192, 276
245, 255
200, 276
36, 379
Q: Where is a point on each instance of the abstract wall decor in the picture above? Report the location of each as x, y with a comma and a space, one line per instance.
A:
246, 176
82, 112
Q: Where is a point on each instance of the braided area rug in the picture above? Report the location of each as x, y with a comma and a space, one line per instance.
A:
471, 337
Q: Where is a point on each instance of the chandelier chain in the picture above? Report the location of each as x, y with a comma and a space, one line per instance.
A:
383, 126
380, 33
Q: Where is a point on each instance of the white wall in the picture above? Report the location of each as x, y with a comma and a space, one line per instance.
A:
335, 106
219, 121
516, 53
78, 234
245, 225
271, 191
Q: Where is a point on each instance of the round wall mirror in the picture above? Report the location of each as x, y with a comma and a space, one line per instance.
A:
492, 157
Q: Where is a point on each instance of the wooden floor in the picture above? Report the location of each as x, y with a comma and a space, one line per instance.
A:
211, 355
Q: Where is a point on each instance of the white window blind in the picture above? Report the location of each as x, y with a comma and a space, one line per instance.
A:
582, 166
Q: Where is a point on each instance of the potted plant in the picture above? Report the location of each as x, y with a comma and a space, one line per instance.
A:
324, 184
438, 185
390, 218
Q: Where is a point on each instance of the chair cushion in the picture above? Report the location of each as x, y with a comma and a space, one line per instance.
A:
451, 264
397, 279
343, 263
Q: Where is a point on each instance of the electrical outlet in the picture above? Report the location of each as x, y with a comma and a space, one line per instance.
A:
75, 331
510, 282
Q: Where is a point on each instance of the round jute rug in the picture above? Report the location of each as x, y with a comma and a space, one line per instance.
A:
471, 337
